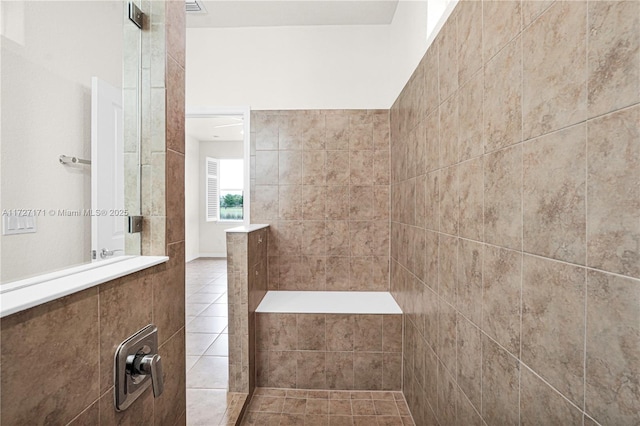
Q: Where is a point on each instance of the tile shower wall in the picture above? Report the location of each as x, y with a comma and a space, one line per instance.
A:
67, 345
516, 216
247, 277
332, 351
320, 178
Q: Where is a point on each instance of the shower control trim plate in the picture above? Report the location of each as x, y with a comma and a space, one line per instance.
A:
137, 366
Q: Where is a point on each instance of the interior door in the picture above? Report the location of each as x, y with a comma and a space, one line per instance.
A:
107, 171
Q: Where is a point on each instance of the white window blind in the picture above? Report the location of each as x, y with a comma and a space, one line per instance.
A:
213, 189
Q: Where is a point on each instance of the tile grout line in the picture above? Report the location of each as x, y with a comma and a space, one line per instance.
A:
484, 82
520, 307
586, 221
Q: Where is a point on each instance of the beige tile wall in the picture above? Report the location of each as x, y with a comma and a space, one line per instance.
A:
57, 358
320, 178
247, 283
329, 351
515, 235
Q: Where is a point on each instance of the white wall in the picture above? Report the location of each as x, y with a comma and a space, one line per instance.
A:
212, 238
192, 198
408, 35
415, 26
50, 51
333, 67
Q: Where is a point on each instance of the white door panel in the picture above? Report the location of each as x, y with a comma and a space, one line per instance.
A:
107, 170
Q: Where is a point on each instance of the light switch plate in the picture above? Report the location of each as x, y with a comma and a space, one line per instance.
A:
13, 224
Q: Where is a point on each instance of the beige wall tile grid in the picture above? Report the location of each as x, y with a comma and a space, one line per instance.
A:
515, 233
57, 358
329, 351
247, 285
320, 178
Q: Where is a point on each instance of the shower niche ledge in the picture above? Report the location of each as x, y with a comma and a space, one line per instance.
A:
24, 294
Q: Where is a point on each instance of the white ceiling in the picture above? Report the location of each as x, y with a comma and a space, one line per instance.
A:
208, 129
268, 13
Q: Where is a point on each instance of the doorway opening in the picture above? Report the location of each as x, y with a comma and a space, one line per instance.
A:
216, 199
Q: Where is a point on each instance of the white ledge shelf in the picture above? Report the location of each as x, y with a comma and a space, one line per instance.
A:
24, 294
245, 229
329, 302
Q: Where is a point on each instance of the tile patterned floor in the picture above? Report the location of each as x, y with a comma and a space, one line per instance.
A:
295, 407
208, 403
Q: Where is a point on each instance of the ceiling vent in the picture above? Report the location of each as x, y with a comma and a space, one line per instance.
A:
195, 6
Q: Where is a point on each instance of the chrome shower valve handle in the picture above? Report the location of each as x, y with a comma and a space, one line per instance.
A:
137, 366
150, 364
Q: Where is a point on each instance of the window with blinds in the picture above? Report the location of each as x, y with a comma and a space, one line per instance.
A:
213, 189
224, 190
